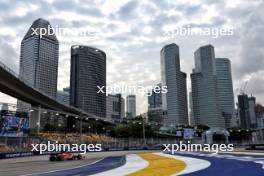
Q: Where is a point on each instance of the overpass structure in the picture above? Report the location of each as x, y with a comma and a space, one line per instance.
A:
11, 84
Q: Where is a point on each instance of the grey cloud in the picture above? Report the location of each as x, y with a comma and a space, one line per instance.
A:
8, 38
150, 8
72, 6
256, 84
21, 20
252, 51
119, 38
112, 27
64, 5
90, 11
218, 3
4, 6
164, 5
185, 9
44, 9
127, 10
188, 10
8, 55
238, 12
163, 19
214, 22
218, 21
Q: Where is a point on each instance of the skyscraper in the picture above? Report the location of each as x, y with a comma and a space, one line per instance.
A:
155, 100
260, 115
131, 106
155, 112
175, 100
88, 73
63, 96
243, 111
191, 117
225, 90
206, 110
115, 109
252, 112
39, 60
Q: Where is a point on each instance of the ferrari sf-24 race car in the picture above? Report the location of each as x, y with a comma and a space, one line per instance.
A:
65, 156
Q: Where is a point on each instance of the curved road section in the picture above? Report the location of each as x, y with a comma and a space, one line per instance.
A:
134, 163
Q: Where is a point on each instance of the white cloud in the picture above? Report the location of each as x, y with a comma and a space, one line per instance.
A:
109, 7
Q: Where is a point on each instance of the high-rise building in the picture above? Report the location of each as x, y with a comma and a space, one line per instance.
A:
252, 112
131, 106
122, 112
39, 60
174, 102
206, 108
247, 111
115, 108
259, 109
88, 75
63, 96
155, 99
155, 111
243, 111
225, 90
191, 117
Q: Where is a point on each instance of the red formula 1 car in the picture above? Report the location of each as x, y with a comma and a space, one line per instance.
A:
65, 156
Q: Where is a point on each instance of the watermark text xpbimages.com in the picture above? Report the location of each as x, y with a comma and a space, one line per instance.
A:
58, 147
189, 147
148, 90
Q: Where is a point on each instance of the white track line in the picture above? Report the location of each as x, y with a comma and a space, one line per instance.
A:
133, 164
192, 164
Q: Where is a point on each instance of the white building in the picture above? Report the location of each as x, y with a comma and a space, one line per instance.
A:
252, 112
131, 106
174, 102
225, 91
206, 109
115, 107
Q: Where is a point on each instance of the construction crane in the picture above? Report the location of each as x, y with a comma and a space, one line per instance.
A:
242, 90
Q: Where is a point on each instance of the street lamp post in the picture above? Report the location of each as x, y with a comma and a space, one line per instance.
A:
81, 119
143, 131
81, 126
89, 129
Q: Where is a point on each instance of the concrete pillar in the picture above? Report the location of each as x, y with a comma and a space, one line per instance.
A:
34, 120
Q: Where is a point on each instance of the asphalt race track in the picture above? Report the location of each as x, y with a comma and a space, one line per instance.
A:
138, 163
102, 165
40, 164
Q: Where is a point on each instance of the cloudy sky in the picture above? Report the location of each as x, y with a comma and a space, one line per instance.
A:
131, 32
